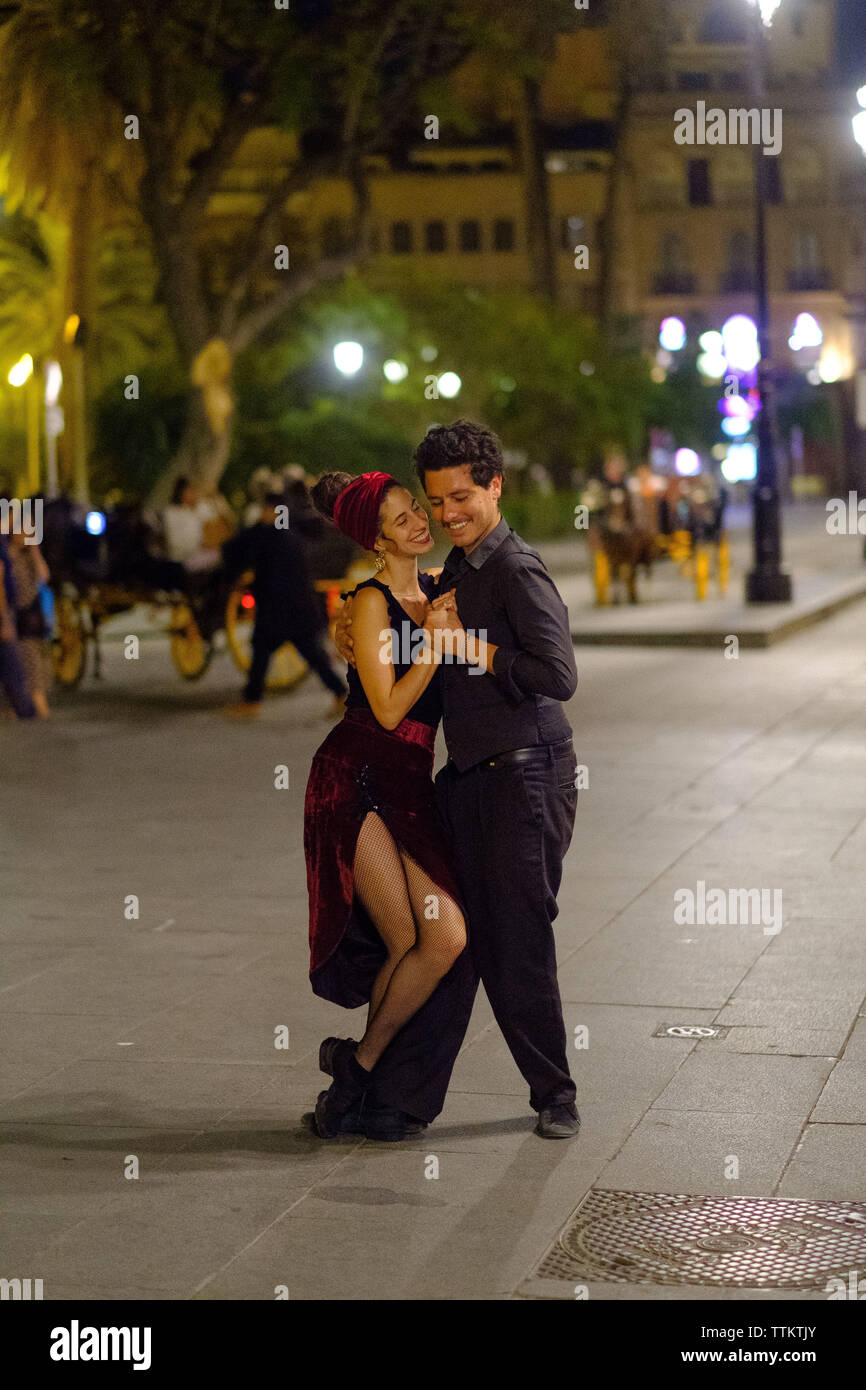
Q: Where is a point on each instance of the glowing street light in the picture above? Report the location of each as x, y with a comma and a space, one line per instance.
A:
449, 384
767, 10
672, 334
394, 370
22, 370
348, 357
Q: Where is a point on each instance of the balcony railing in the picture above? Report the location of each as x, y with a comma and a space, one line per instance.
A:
737, 282
674, 282
810, 280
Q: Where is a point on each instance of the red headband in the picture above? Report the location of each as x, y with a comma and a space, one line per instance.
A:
356, 510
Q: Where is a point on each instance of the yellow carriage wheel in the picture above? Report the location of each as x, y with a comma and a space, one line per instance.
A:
68, 649
190, 651
287, 667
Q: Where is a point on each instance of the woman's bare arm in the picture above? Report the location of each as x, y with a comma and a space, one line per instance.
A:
390, 699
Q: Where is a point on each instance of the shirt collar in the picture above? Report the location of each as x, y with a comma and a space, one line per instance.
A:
457, 558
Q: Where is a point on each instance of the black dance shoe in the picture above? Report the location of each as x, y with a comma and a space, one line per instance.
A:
331, 1047
558, 1122
382, 1123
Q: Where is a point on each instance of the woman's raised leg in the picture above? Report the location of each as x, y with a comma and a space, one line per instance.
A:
440, 937
380, 885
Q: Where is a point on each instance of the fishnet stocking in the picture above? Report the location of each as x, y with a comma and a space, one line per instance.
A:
422, 929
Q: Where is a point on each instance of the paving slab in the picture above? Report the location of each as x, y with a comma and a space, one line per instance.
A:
739, 773
828, 1162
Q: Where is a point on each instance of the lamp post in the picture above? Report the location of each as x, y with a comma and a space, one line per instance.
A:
23, 374
765, 583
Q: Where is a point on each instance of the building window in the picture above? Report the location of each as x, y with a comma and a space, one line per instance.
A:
470, 235
700, 194
722, 24
401, 238
808, 272
674, 274
798, 23
693, 81
804, 175
435, 237
739, 276
503, 234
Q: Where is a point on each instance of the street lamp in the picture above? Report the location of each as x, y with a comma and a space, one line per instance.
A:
348, 357
22, 374
765, 583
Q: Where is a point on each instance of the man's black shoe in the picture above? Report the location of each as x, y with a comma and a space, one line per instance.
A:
388, 1125
383, 1123
558, 1122
330, 1049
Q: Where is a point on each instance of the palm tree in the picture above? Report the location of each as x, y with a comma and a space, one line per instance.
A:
128, 325
62, 158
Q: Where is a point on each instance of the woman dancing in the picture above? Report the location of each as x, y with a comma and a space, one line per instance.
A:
386, 922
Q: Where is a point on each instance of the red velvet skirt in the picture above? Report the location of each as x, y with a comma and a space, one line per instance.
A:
363, 767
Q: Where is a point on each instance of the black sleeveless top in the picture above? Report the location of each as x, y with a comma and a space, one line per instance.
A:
405, 641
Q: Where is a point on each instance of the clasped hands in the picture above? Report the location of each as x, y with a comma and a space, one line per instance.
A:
441, 615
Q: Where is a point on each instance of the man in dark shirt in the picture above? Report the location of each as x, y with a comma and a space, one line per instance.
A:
287, 609
507, 792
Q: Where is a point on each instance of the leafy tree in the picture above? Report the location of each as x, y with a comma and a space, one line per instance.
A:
191, 82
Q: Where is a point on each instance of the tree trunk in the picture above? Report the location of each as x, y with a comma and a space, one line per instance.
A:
78, 300
202, 454
531, 154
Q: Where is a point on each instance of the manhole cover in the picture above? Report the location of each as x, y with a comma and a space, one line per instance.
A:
691, 1030
736, 1242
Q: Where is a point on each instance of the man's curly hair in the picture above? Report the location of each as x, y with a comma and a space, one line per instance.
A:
450, 446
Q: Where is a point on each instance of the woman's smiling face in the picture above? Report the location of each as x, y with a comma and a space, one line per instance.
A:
404, 523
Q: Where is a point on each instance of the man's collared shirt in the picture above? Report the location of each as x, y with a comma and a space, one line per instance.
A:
506, 597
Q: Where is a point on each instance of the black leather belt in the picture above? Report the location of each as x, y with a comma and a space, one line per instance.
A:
539, 752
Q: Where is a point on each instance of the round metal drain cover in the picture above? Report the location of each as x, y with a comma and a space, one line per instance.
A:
736, 1242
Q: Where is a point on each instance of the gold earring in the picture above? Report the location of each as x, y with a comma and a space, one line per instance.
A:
380, 561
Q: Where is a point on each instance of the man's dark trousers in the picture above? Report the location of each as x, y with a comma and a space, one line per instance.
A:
511, 825
269, 638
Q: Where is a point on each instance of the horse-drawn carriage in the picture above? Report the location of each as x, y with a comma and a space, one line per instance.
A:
635, 525
104, 564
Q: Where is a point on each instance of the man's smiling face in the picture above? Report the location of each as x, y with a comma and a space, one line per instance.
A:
465, 511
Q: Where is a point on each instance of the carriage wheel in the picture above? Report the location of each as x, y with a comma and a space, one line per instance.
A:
287, 667
68, 650
190, 652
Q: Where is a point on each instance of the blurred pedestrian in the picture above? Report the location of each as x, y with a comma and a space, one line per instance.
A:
31, 574
12, 676
262, 481
287, 609
183, 525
